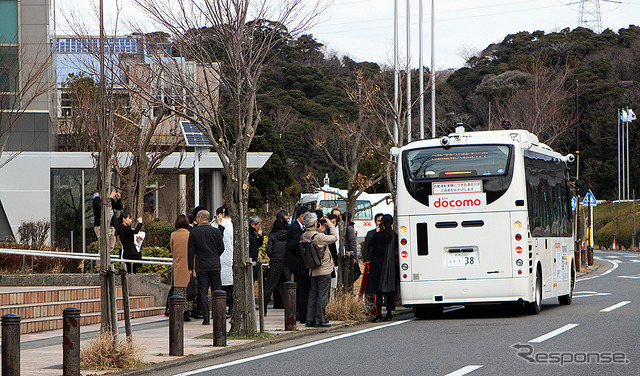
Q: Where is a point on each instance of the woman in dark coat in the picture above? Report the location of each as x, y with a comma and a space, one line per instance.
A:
276, 246
126, 234
382, 268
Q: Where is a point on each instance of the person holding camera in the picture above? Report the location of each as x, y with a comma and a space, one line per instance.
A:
320, 275
116, 208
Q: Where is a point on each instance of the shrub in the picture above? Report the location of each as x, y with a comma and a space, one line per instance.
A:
100, 354
12, 264
345, 306
34, 233
150, 268
158, 234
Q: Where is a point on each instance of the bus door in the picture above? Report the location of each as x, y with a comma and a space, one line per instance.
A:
461, 246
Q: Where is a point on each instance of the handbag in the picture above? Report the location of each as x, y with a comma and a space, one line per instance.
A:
192, 288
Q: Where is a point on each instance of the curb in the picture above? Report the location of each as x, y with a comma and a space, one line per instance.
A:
233, 350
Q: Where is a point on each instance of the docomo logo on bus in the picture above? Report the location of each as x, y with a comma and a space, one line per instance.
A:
458, 201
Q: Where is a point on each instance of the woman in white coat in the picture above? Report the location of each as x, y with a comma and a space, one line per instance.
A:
223, 222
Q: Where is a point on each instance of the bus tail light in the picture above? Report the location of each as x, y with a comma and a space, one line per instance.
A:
518, 250
517, 224
403, 229
404, 276
404, 254
403, 241
404, 266
519, 262
519, 271
518, 237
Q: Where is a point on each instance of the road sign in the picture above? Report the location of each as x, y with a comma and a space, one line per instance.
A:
574, 203
589, 200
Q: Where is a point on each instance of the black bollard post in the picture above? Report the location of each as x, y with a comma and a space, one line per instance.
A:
71, 341
176, 325
10, 345
289, 306
590, 255
219, 311
576, 256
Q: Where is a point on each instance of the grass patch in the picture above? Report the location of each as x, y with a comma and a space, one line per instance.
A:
100, 354
255, 336
345, 306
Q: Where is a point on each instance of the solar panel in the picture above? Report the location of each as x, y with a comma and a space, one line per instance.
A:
193, 136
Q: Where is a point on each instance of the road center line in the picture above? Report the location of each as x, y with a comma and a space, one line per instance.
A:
463, 371
615, 306
290, 349
554, 333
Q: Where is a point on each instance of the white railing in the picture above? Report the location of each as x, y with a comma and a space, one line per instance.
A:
85, 256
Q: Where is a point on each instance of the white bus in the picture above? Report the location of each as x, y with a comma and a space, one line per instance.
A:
367, 205
484, 217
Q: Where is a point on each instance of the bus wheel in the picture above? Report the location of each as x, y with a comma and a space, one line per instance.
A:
533, 308
566, 299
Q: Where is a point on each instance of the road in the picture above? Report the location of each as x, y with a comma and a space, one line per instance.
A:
597, 335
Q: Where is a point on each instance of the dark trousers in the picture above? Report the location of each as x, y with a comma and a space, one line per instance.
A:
318, 299
206, 279
229, 290
278, 275
303, 284
390, 298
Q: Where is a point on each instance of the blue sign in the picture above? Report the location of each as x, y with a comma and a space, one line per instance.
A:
589, 200
574, 203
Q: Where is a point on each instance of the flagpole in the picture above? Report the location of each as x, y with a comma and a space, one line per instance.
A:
396, 72
618, 128
628, 177
421, 72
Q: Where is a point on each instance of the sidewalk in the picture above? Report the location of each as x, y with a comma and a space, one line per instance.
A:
41, 353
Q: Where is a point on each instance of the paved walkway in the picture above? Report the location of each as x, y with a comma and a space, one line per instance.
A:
41, 353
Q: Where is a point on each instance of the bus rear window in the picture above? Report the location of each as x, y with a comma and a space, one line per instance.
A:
458, 161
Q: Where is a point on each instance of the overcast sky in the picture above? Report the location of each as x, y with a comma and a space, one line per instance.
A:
363, 29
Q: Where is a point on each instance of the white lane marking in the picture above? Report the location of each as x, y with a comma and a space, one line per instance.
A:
586, 294
634, 260
463, 371
616, 306
614, 267
629, 276
290, 349
615, 260
554, 333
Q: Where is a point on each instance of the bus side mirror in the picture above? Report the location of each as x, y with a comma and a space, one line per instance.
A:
395, 151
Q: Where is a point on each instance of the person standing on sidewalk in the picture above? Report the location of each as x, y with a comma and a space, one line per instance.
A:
276, 245
205, 247
126, 234
320, 275
116, 208
224, 224
179, 247
382, 268
294, 262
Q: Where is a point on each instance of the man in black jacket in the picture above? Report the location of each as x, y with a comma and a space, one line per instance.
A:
294, 262
205, 246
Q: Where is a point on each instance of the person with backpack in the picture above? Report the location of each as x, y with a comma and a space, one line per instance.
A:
320, 275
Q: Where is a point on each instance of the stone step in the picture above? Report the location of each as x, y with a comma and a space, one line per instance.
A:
53, 323
37, 310
39, 295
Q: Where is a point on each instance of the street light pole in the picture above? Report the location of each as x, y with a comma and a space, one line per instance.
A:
578, 87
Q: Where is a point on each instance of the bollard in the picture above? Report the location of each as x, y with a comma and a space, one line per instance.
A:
289, 306
261, 302
10, 345
176, 325
219, 311
590, 255
71, 341
576, 255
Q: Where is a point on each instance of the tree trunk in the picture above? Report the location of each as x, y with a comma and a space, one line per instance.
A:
242, 319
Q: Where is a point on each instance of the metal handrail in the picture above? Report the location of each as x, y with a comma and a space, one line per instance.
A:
84, 256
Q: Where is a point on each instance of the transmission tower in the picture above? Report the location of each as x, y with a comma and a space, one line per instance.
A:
590, 16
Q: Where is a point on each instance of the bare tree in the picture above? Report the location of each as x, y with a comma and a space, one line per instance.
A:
230, 42
538, 105
346, 144
25, 77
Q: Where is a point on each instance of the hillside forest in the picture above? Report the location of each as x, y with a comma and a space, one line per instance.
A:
528, 78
